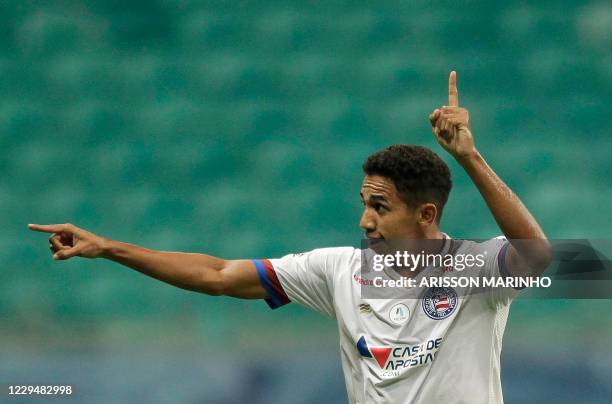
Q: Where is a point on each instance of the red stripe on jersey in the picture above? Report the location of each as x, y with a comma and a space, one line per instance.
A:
274, 282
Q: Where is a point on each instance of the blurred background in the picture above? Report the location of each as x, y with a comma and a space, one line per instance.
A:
239, 129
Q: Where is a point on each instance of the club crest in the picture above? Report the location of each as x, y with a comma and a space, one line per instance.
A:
440, 303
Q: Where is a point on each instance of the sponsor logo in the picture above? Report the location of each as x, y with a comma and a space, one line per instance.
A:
399, 314
440, 303
362, 281
392, 360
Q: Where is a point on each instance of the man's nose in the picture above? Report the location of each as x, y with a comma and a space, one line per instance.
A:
367, 222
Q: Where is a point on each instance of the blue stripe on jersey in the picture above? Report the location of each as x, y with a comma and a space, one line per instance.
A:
274, 300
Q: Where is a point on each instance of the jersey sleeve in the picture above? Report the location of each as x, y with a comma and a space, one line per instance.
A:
306, 278
495, 267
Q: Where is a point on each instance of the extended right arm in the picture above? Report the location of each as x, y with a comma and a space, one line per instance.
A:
198, 272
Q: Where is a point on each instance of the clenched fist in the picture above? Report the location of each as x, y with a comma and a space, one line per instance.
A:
69, 241
451, 124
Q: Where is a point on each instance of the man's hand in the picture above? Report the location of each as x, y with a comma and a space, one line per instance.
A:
69, 241
451, 124
451, 127
197, 272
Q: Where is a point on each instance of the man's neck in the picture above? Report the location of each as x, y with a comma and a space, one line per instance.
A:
433, 233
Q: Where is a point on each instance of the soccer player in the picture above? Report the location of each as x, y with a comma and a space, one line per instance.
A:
439, 346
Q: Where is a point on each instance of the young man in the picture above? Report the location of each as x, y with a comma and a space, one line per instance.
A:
436, 346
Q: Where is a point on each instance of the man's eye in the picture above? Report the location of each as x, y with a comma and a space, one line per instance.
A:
378, 207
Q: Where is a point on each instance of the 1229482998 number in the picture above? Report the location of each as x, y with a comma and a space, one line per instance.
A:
39, 390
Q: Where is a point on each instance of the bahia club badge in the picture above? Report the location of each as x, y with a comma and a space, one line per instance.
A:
439, 303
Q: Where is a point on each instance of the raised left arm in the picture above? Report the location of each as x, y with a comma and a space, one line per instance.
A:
529, 252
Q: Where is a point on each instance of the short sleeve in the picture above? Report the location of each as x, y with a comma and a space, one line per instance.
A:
495, 267
306, 278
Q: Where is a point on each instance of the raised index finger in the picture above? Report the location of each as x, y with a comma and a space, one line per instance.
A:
47, 228
453, 93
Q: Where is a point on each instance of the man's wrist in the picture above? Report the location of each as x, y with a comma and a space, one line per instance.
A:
107, 248
469, 158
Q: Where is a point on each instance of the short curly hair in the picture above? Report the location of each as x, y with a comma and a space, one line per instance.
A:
418, 173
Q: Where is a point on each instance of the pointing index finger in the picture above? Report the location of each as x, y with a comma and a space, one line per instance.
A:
453, 93
47, 228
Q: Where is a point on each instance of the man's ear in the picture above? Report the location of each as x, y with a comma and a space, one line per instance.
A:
427, 214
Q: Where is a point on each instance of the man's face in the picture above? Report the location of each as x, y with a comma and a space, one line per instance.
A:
385, 214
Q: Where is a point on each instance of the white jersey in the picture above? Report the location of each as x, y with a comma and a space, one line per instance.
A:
441, 346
